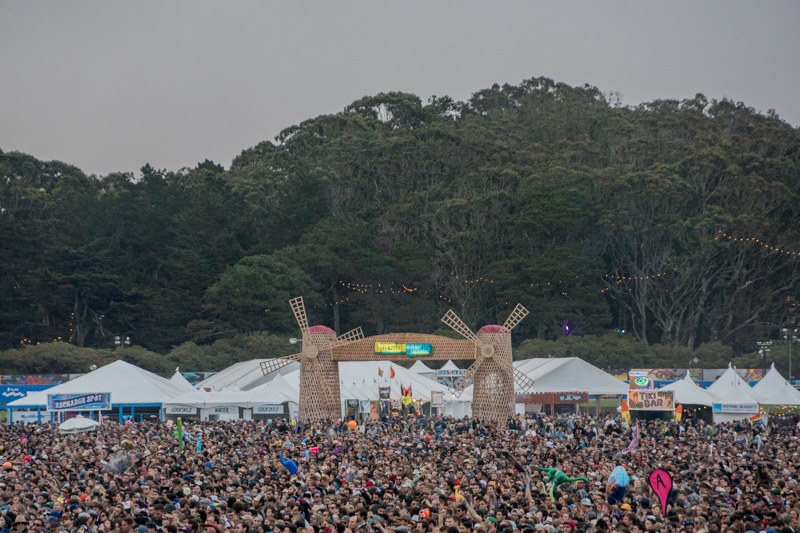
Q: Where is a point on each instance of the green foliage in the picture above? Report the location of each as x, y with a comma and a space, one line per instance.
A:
387, 214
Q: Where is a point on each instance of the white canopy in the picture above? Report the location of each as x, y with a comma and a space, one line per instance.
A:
275, 392
178, 379
776, 390
450, 365
421, 368
569, 374
245, 375
128, 384
729, 384
78, 424
688, 392
360, 380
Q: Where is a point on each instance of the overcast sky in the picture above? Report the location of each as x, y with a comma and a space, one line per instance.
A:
110, 86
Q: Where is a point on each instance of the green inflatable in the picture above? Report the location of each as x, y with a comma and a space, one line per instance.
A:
558, 477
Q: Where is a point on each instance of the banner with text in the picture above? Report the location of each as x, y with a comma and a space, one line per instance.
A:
97, 401
651, 400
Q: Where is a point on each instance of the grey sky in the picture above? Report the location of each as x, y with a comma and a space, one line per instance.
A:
110, 86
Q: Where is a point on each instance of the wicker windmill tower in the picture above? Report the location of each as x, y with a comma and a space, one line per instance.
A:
493, 372
319, 375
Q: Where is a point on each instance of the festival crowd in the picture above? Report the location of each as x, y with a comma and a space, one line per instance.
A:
404, 475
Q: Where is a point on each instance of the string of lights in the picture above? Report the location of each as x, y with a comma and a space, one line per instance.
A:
624, 278
756, 241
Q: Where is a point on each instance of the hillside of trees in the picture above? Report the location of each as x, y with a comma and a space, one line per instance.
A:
673, 221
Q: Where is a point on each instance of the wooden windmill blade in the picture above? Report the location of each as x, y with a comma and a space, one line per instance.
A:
463, 382
299, 310
271, 365
522, 380
515, 317
457, 325
347, 338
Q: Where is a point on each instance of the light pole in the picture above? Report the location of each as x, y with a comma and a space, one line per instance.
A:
119, 341
295, 341
763, 350
790, 335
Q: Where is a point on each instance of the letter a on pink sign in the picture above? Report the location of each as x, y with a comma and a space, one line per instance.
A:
661, 483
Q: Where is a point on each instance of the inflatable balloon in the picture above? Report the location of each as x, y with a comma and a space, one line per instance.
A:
269, 422
617, 485
352, 424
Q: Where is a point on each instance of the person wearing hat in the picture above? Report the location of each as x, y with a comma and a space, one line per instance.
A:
20, 523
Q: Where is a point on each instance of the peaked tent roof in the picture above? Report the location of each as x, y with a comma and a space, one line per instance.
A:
421, 368
450, 365
178, 379
568, 374
776, 390
730, 384
275, 392
246, 375
688, 392
127, 384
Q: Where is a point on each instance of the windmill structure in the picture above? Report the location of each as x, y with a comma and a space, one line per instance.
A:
319, 374
493, 374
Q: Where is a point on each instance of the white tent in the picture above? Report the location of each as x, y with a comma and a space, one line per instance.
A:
275, 392
78, 424
731, 390
688, 392
450, 365
730, 383
128, 384
776, 390
178, 379
423, 370
569, 374
360, 380
245, 375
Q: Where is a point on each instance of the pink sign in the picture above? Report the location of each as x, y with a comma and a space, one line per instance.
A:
661, 483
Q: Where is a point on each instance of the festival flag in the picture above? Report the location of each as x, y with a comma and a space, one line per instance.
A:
678, 413
755, 419
625, 413
634, 441
392, 369
380, 372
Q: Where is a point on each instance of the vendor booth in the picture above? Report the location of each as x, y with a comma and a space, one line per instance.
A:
119, 391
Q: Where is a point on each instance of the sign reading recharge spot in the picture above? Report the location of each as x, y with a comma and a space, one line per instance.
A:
98, 401
411, 350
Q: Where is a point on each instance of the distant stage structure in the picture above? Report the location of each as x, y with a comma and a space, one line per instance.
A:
492, 373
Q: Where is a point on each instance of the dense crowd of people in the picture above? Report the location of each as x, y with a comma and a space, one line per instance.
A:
404, 475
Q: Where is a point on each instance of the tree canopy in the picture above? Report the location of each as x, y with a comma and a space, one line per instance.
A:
673, 221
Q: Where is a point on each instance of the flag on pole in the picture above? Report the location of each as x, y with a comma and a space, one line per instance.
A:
392, 369
380, 372
634, 441
755, 419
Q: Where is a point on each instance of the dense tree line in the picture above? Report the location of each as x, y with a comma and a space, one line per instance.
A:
675, 221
